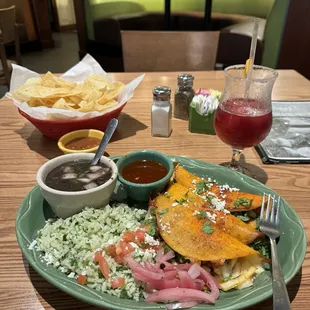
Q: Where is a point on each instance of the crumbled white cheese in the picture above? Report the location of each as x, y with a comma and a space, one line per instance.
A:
196, 212
150, 240
165, 227
226, 187
134, 245
218, 204
211, 217
234, 189
174, 204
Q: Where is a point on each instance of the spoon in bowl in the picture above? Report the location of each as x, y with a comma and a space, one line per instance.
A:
105, 140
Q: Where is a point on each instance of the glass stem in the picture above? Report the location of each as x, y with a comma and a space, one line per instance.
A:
234, 164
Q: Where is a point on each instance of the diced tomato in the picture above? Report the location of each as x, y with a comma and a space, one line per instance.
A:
140, 234
126, 247
119, 251
155, 247
119, 259
82, 279
145, 227
97, 256
118, 282
111, 250
128, 236
103, 265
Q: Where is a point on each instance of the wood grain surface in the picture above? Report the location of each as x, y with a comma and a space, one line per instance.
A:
23, 150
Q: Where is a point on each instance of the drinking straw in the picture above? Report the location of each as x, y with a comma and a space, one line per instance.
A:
250, 62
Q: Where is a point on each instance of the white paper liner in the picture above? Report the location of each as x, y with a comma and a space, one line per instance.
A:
78, 73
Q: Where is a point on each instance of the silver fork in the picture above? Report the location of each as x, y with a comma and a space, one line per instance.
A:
269, 225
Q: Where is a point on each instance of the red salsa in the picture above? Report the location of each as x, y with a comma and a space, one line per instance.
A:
83, 143
144, 171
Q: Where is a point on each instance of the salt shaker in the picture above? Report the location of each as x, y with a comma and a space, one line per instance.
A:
161, 112
183, 96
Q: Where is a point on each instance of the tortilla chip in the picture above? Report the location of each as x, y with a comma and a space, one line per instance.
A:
93, 95
52, 80
35, 103
106, 106
98, 82
184, 233
36, 81
62, 104
96, 93
111, 93
86, 106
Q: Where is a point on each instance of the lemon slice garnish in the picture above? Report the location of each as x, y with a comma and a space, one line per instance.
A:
246, 68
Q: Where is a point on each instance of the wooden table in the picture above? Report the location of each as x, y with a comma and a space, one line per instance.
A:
24, 150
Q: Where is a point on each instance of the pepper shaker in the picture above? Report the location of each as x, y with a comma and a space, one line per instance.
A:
183, 96
161, 112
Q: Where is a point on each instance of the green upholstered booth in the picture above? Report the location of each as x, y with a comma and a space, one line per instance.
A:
103, 19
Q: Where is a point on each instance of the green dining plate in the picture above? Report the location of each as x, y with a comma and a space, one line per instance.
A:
34, 211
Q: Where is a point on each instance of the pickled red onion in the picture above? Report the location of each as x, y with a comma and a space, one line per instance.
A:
180, 294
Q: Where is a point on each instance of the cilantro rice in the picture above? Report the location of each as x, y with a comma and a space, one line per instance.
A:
69, 245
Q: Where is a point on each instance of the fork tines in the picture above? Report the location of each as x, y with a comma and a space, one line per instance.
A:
273, 203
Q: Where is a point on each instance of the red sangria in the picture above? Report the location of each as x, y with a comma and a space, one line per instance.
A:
242, 123
244, 115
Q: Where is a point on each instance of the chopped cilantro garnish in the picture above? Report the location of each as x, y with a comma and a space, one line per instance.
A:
242, 201
167, 248
152, 230
191, 199
74, 263
209, 198
161, 212
153, 211
262, 246
201, 186
227, 278
180, 201
202, 215
151, 222
124, 294
186, 194
207, 228
121, 268
167, 195
243, 216
180, 259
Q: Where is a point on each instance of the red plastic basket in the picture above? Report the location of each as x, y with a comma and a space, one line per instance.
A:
54, 129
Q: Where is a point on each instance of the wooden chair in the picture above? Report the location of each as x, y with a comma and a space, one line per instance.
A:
169, 51
8, 34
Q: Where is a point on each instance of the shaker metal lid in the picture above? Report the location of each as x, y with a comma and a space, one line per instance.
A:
185, 77
161, 92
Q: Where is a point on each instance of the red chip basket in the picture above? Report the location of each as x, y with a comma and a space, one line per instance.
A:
54, 129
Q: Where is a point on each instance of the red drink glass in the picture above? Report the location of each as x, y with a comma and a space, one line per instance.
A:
244, 122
